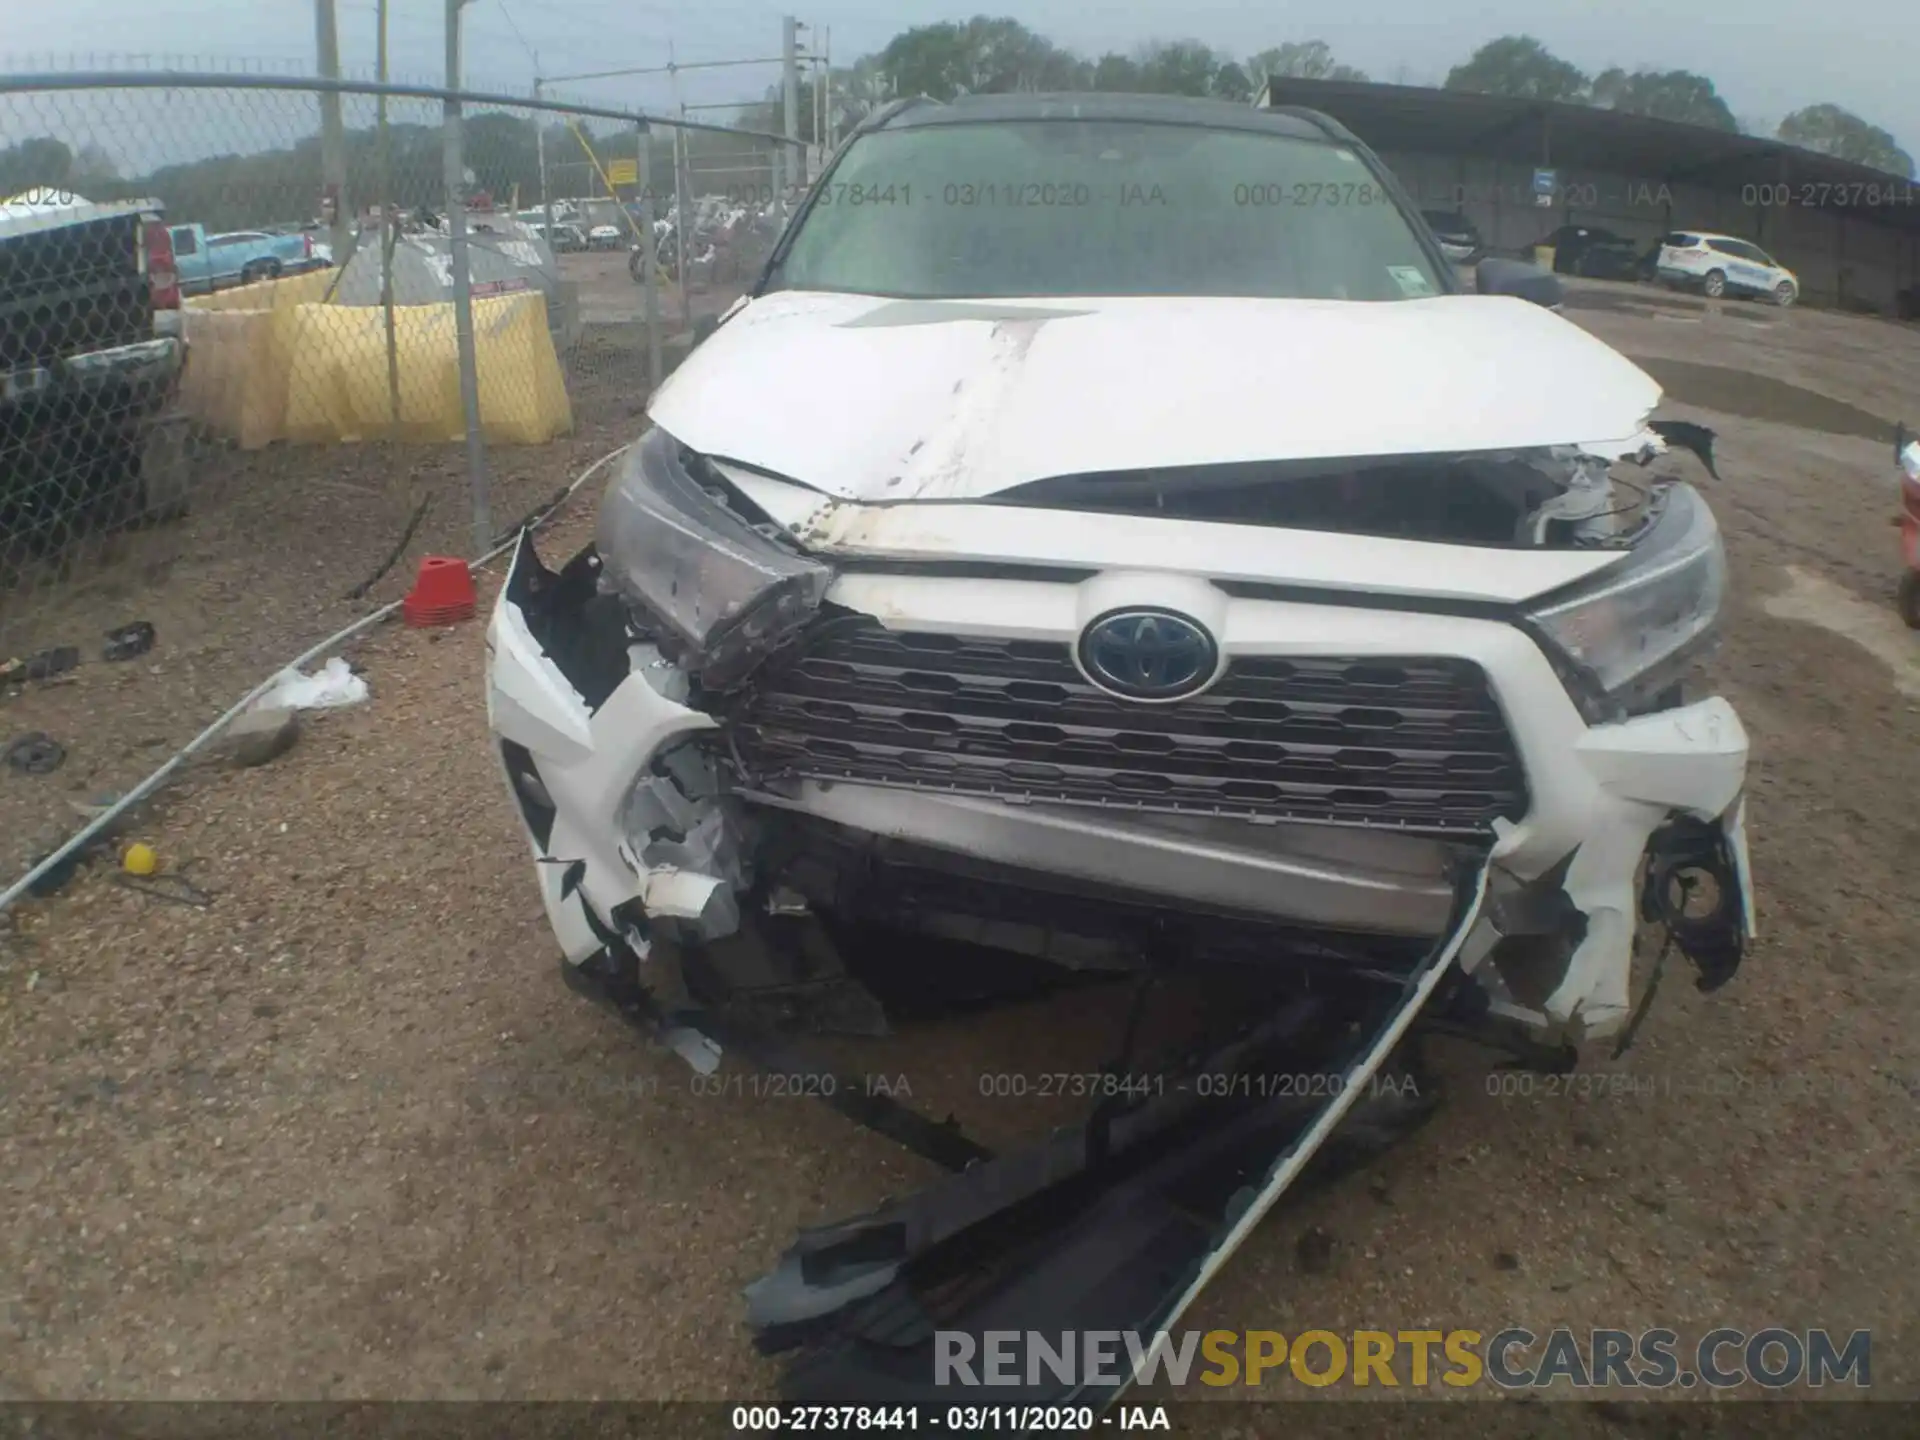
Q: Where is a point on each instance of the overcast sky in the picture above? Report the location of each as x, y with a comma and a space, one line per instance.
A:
1766, 56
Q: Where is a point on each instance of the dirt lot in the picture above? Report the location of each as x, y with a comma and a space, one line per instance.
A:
345, 1135
261, 568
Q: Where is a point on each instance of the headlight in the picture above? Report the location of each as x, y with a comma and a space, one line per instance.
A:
1634, 629
721, 592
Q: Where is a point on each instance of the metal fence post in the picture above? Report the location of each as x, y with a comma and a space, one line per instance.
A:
389, 235
456, 178
649, 281
683, 220
791, 173
540, 158
333, 134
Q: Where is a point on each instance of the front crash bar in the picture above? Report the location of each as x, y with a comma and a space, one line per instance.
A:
1130, 1256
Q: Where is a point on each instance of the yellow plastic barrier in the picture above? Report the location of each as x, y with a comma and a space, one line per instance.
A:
231, 384
313, 373
267, 294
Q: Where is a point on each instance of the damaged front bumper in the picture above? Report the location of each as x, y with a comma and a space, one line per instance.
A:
660, 818
644, 824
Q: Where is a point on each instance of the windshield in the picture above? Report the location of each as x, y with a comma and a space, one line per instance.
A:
1079, 207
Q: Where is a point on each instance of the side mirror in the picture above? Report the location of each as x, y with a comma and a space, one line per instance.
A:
1521, 280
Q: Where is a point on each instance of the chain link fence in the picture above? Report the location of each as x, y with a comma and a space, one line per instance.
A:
266, 341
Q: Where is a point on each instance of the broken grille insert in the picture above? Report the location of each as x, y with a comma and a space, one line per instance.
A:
1412, 743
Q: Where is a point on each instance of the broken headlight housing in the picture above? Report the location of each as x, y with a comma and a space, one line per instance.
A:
1631, 633
718, 592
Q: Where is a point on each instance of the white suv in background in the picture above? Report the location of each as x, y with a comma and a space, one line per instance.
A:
1717, 264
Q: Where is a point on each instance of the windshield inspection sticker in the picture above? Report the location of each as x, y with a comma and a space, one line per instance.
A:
1411, 280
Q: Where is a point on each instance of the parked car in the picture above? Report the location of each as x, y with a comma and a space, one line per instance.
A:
1325, 678
90, 360
1589, 251
242, 257
604, 237
1717, 265
564, 238
1459, 241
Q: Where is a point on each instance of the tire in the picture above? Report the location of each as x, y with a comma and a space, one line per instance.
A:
258, 270
1783, 294
634, 268
1714, 285
1910, 599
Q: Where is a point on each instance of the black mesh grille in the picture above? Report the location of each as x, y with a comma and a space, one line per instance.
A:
1414, 744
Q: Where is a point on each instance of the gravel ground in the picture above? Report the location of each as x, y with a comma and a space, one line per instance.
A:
344, 1134
259, 570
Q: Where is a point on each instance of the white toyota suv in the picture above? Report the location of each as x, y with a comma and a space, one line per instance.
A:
1106, 536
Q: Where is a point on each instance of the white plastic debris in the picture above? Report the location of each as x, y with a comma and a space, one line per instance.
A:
334, 684
1910, 460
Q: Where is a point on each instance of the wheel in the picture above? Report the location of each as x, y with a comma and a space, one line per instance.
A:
259, 270
635, 269
1910, 599
1783, 295
1715, 285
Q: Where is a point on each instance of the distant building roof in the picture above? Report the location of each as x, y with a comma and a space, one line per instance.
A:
1571, 136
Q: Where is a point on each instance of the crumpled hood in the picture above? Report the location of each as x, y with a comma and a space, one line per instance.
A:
884, 400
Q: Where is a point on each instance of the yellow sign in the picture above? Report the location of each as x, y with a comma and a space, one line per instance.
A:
623, 172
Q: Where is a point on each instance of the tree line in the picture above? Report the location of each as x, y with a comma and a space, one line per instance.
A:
945, 60
985, 54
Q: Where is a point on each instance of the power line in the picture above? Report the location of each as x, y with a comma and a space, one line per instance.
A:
675, 13
507, 15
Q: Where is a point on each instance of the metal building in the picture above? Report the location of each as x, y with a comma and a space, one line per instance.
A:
1850, 232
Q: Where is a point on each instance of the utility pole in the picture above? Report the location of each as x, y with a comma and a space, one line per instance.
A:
333, 133
456, 183
682, 210
682, 217
793, 166
540, 155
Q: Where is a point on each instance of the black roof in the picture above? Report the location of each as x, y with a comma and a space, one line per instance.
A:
1100, 105
1412, 118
